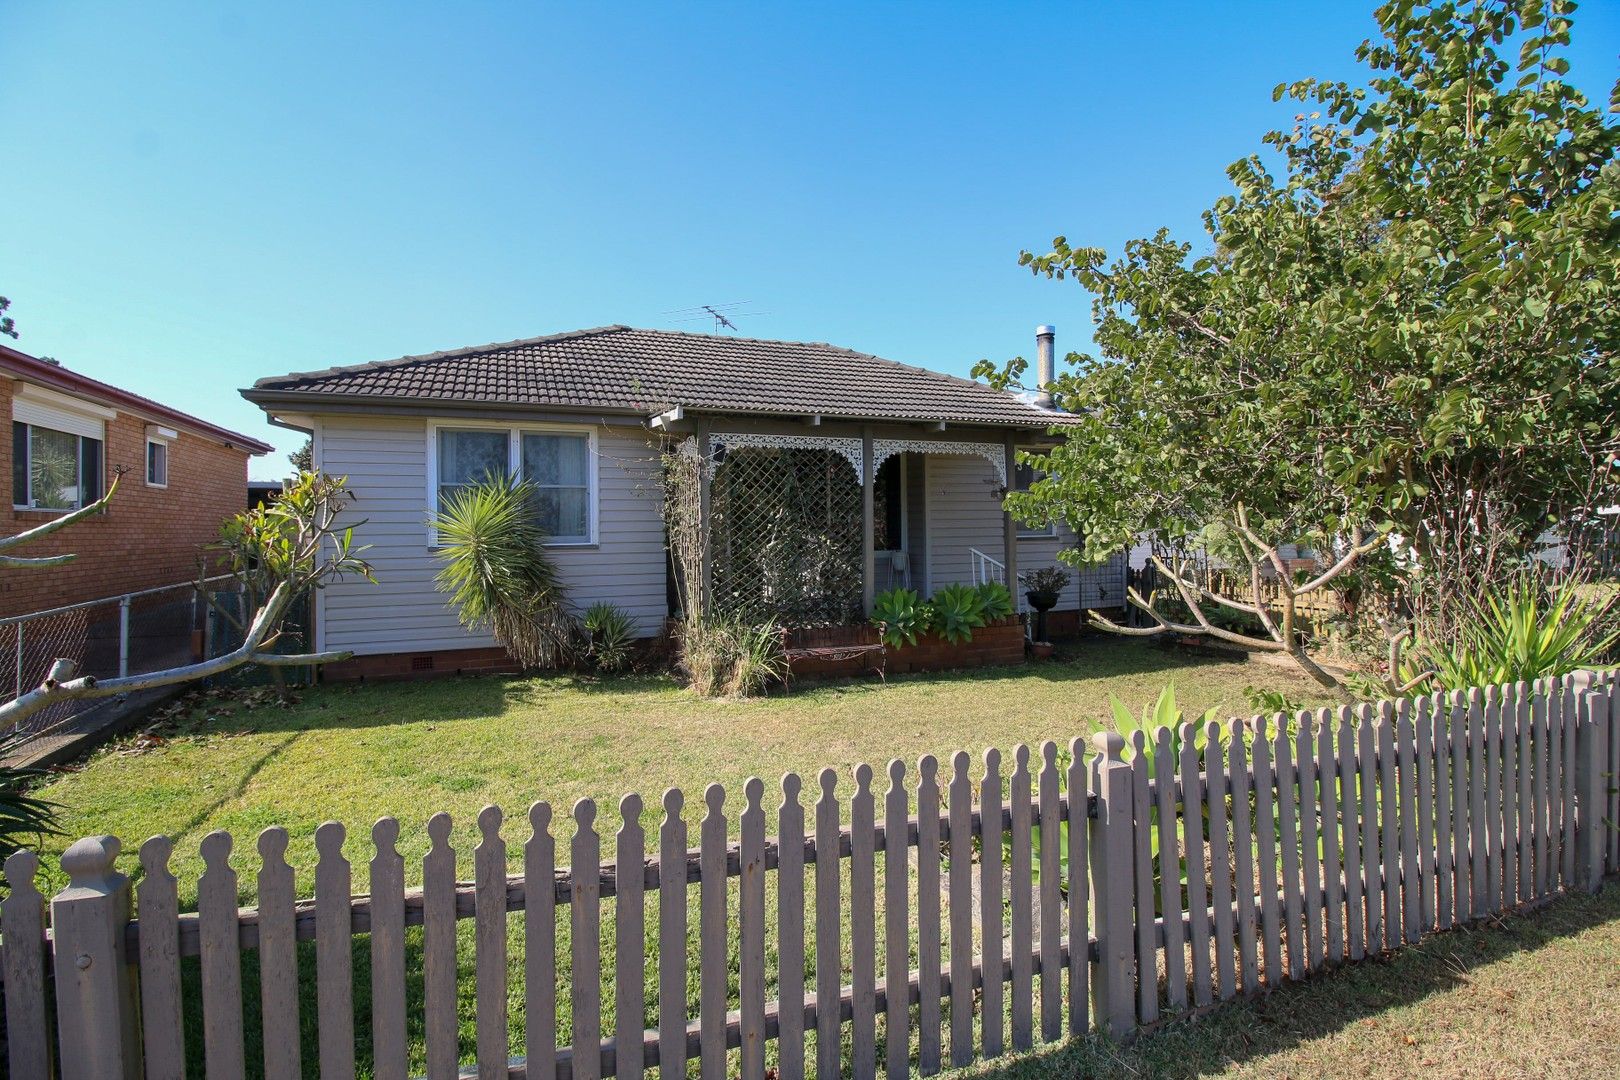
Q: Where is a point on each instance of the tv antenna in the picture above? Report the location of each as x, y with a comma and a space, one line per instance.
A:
720, 316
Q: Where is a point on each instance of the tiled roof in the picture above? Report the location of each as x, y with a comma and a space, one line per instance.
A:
649, 371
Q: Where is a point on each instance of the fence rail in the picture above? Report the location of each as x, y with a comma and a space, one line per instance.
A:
940, 920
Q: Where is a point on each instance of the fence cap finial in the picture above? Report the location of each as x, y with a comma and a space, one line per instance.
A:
90, 861
1110, 744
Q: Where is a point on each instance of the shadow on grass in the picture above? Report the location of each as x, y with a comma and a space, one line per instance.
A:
359, 706
1298, 1013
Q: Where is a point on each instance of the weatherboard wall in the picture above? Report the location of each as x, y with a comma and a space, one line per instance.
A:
386, 461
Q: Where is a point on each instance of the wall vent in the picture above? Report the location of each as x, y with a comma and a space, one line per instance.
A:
421, 663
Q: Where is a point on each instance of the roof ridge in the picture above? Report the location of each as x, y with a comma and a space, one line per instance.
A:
939, 375
442, 354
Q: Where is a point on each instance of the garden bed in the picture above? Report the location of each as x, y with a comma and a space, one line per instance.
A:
998, 643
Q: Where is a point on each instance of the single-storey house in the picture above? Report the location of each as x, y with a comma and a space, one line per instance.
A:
827, 475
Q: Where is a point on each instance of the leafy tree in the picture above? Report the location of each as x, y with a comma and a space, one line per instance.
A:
8, 325
303, 458
1406, 320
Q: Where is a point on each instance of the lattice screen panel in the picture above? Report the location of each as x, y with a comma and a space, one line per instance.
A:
786, 539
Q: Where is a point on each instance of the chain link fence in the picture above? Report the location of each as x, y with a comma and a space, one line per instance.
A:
132, 634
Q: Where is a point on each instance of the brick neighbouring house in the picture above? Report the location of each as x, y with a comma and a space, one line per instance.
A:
152, 533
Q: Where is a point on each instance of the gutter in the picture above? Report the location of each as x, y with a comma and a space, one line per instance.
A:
60, 378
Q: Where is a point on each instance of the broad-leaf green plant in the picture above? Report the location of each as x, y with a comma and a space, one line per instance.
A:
498, 573
998, 602
958, 611
901, 616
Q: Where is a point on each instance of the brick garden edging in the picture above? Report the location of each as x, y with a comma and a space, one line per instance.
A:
999, 643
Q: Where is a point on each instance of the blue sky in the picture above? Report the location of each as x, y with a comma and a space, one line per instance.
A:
194, 197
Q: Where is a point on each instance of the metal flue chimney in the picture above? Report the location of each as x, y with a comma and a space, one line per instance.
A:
1045, 370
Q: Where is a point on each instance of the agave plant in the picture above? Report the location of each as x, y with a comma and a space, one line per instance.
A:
997, 601
498, 573
1524, 630
1165, 712
901, 615
958, 611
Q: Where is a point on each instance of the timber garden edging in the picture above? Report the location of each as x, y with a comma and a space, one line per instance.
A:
1356, 832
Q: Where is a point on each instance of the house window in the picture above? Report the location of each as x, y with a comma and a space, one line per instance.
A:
557, 463
157, 463
1023, 477
53, 470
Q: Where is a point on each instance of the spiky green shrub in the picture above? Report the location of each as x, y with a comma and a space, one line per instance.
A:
731, 659
901, 615
611, 634
24, 820
499, 575
1523, 630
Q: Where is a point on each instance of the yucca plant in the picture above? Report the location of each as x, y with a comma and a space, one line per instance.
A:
499, 575
1165, 712
23, 818
611, 632
1524, 630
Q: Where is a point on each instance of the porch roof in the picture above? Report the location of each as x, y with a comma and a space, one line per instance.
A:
626, 370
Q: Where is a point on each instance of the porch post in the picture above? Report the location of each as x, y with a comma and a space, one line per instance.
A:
1009, 527
701, 594
868, 524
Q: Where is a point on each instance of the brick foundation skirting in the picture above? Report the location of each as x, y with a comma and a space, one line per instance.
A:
420, 665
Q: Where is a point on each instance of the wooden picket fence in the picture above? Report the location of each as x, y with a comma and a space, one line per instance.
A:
1156, 877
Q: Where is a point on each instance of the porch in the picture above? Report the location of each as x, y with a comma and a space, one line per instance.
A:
807, 528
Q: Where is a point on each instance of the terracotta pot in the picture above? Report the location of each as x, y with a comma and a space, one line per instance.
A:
1041, 650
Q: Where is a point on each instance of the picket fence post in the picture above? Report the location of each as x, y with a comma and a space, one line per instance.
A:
1113, 977
1592, 783
96, 989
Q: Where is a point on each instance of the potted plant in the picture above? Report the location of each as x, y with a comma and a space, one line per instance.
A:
1043, 589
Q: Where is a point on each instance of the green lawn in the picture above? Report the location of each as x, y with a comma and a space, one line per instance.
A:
1531, 996
353, 753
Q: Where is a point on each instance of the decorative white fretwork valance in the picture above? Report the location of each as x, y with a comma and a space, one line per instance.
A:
847, 448
850, 449
994, 453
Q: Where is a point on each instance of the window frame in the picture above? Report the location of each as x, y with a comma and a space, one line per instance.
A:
1048, 531
514, 464
80, 501
162, 444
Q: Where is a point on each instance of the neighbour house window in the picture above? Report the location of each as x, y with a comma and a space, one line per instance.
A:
1024, 476
53, 470
558, 463
157, 463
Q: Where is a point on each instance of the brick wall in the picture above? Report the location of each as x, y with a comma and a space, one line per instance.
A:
148, 536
